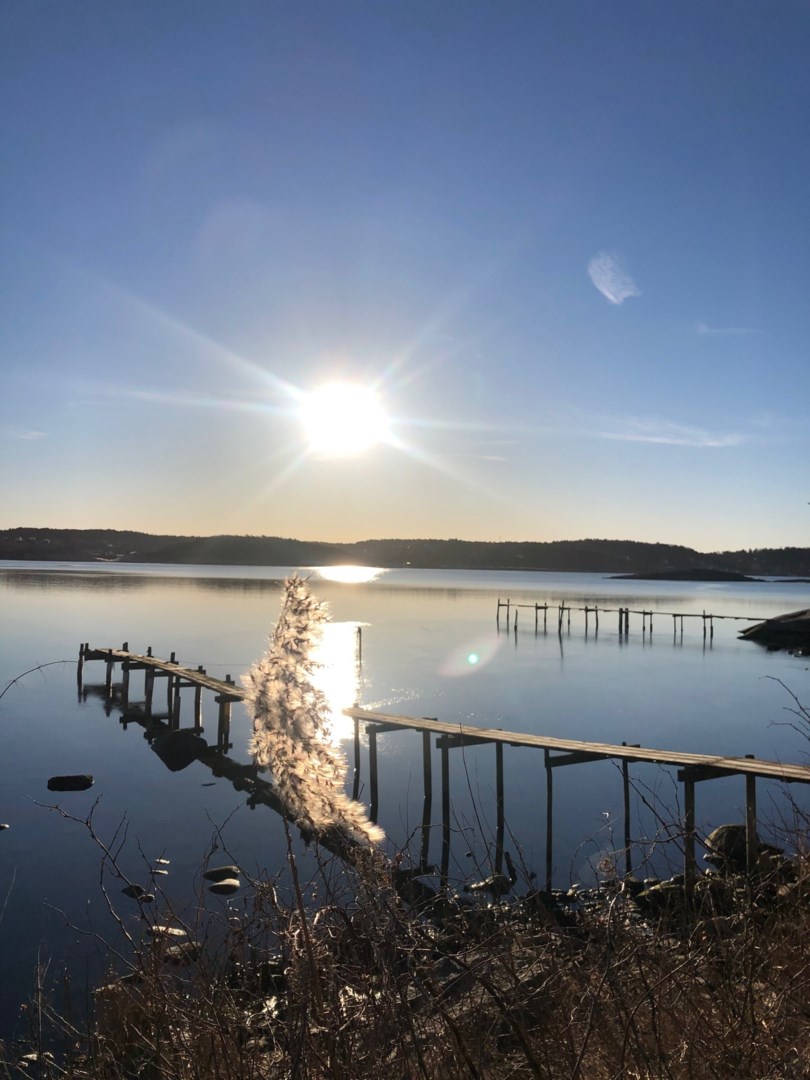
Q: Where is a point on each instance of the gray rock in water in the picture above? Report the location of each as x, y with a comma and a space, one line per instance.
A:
219, 873
2, 827
134, 891
783, 632
70, 783
226, 886
727, 848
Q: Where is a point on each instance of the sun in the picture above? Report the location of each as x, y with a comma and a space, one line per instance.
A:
343, 419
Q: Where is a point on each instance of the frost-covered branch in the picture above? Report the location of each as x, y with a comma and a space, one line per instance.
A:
291, 723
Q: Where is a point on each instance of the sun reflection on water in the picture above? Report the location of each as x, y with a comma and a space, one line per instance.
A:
349, 575
338, 674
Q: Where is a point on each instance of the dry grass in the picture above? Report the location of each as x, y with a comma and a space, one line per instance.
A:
361, 986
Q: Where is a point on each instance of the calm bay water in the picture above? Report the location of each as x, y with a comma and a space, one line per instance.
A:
430, 647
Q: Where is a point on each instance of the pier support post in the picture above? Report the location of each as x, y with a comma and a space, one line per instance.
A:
80, 667
689, 865
356, 781
549, 820
108, 677
750, 821
444, 870
148, 689
427, 803
198, 724
499, 816
628, 857
371, 731
223, 722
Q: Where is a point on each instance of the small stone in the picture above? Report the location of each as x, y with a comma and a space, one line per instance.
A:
220, 873
134, 891
4, 827
166, 931
182, 953
160, 873
70, 783
226, 886
163, 862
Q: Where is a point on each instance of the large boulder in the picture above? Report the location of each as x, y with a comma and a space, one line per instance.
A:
783, 632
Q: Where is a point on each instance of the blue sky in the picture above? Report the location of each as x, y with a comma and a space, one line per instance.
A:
564, 242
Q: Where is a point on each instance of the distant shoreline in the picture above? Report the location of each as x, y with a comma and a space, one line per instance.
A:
620, 558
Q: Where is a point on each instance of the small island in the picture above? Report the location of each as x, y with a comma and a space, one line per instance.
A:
696, 574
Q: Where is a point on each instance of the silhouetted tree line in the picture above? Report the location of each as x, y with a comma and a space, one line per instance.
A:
598, 556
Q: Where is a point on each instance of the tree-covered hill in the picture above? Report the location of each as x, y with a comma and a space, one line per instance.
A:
598, 556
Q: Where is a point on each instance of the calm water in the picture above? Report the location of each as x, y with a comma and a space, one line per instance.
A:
430, 647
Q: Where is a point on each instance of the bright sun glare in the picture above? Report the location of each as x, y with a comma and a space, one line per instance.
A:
343, 419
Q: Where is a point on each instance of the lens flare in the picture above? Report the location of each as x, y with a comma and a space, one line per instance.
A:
468, 656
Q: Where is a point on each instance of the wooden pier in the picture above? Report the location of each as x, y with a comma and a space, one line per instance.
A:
557, 752
562, 613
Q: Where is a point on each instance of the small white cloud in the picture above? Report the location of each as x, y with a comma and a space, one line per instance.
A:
610, 277
666, 433
702, 328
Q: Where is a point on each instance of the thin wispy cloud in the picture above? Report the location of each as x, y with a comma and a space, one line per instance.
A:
667, 433
25, 434
720, 331
610, 277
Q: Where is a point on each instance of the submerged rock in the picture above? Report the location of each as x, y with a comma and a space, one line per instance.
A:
177, 749
70, 783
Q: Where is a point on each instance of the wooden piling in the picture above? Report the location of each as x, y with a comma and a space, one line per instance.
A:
371, 731
80, 667
223, 721
356, 780
499, 803
108, 677
549, 820
751, 853
689, 864
148, 689
444, 869
427, 802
